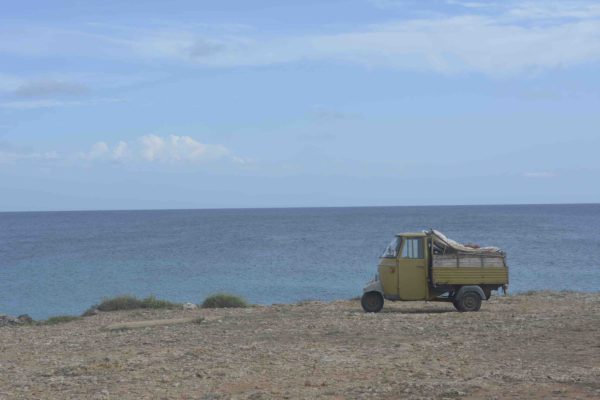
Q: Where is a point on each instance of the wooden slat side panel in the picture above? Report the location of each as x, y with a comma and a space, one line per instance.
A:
467, 261
469, 276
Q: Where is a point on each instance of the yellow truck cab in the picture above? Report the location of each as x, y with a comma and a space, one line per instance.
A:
429, 266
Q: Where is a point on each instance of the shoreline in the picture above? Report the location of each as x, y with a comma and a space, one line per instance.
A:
176, 306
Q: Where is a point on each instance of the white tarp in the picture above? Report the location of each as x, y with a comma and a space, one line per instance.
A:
441, 241
450, 253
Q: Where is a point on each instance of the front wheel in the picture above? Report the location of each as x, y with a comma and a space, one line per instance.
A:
372, 302
469, 301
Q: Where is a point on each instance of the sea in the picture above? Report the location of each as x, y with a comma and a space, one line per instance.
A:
54, 263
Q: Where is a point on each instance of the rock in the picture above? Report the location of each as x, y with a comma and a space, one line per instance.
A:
24, 319
7, 320
189, 306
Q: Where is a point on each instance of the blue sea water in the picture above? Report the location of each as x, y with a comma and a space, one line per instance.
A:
62, 262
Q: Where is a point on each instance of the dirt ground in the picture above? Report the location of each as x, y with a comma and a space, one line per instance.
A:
542, 346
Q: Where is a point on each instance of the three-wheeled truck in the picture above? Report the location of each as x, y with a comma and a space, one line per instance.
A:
429, 266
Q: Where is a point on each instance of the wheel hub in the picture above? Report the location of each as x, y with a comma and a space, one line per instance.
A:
469, 302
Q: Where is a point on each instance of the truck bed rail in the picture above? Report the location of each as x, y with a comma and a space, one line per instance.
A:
469, 269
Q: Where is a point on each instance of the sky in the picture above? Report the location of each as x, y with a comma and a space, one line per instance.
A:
217, 104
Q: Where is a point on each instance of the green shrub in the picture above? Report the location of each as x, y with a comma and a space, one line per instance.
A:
130, 303
224, 300
120, 303
153, 302
60, 319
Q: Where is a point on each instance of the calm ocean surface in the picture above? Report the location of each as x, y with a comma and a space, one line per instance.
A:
62, 262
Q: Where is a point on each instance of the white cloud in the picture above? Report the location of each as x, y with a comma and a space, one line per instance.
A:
520, 9
36, 86
9, 83
493, 38
154, 148
33, 104
179, 148
553, 10
146, 149
49, 87
471, 4
539, 174
121, 151
325, 114
53, 103
98, 151
510, 42
12, 156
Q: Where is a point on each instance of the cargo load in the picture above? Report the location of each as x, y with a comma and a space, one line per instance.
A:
450, 253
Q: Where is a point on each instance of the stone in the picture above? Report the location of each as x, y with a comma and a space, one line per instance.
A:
189, 306
7, 320
24, 319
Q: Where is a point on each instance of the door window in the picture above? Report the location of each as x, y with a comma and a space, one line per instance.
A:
413, 248
392, 250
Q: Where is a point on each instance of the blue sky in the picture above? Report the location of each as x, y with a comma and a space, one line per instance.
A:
194, 104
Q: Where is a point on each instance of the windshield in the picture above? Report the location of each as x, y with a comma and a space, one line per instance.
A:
392, 250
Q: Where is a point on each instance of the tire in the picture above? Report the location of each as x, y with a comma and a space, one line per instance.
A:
372, 302
469, 301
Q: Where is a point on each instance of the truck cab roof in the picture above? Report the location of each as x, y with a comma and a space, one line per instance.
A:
412, 234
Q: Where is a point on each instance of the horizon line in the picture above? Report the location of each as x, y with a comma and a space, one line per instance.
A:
295, 208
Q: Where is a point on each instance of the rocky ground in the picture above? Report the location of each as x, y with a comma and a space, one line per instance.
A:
544, 345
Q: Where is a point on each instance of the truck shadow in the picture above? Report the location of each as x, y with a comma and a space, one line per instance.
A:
418, 311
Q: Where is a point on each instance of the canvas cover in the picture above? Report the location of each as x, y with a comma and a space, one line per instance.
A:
450, 253
447, 245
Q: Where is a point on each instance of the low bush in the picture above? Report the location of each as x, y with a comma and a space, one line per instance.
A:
153, 302
120, 303
224, 300
60, 319
129, 303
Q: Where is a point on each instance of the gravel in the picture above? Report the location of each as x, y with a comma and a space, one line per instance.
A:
540, 345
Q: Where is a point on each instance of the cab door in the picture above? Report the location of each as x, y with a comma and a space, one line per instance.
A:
388, 269
412, 278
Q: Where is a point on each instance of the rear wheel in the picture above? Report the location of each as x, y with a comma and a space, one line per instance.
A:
372, 302
469, 301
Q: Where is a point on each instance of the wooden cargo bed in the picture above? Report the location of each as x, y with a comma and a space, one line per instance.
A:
465, 269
